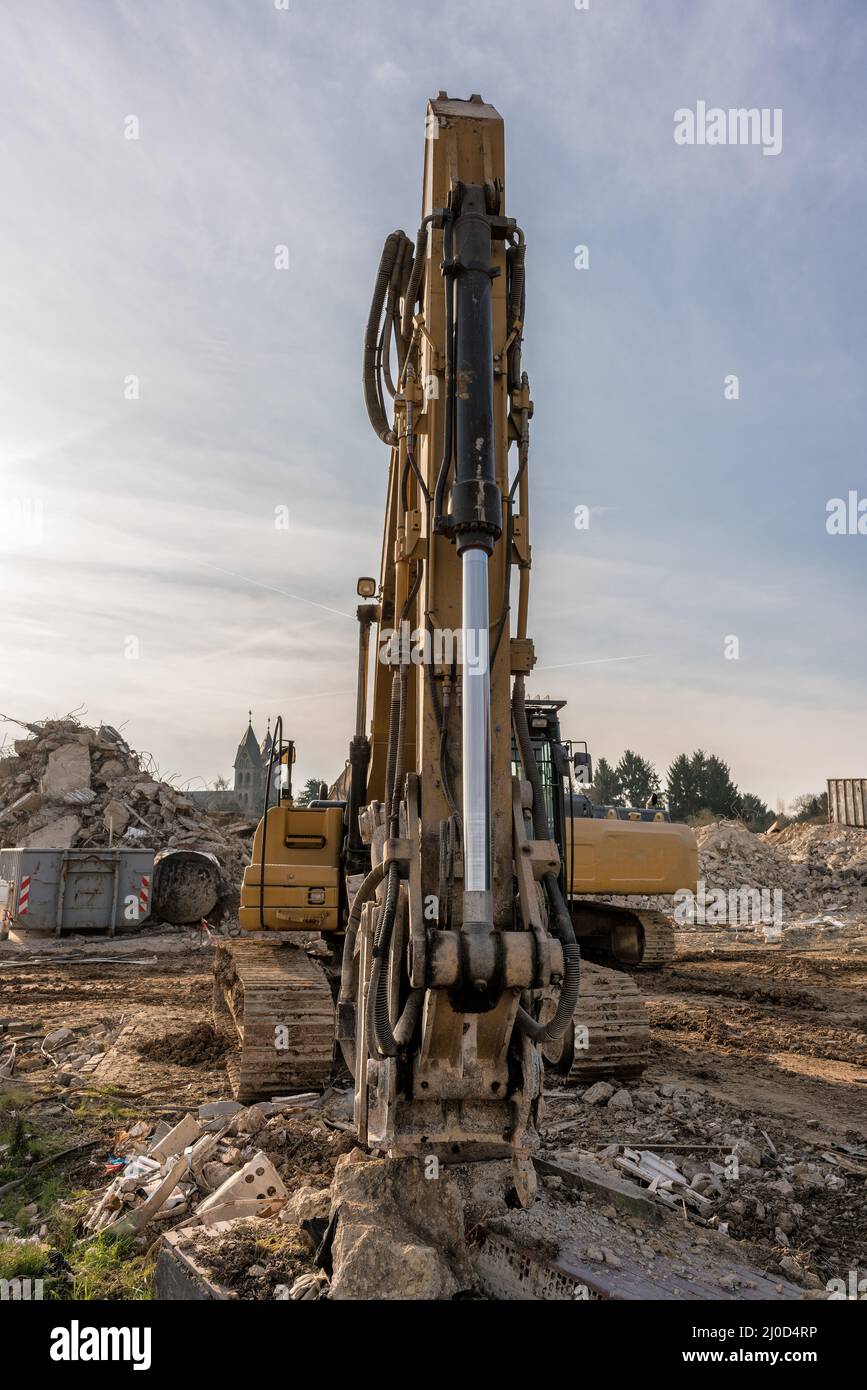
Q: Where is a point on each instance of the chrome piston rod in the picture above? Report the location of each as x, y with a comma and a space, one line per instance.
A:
476, 739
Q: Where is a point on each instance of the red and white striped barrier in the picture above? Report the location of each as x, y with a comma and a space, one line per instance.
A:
144, 896
24, 896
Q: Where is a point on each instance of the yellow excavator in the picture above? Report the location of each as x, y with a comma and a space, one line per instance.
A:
425, 916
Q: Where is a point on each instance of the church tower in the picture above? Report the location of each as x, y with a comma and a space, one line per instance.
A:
249, 772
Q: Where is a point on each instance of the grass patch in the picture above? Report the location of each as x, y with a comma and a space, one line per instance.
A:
103, 1104
110, 1268
22, 1261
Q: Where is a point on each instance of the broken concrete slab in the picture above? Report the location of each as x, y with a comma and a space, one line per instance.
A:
29, 802
258, 1181
307, 1204
397, 1233
68, 768
184, 1133
115, 817
178, 1275
58, 834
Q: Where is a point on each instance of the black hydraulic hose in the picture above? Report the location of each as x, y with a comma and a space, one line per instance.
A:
391, 321
372, 340
364, 894
413, 287
380, 1037
541, 828
516, 287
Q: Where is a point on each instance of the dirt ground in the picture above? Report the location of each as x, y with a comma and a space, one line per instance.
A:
776, 1037
783, 1033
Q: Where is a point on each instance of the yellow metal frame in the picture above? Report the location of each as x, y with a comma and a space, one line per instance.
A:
302, 857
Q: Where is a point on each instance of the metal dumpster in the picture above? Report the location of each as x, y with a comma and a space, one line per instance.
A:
65, 890
847, 801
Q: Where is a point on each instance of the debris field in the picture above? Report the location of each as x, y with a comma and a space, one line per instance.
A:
736, 1167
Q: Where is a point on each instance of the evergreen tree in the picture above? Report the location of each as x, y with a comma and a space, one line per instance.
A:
606, 789
310, 791
681, 788
717, 791
637, 777
754, 813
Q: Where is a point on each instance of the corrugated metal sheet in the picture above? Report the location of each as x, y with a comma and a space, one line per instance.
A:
847, 801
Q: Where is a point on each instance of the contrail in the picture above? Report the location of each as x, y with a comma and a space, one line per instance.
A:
299, 598
597, 661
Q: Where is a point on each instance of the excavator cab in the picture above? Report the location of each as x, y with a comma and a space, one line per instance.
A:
627, 851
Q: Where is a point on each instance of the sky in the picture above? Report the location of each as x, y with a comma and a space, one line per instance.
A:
167, 392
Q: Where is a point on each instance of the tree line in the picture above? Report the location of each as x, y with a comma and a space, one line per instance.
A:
697, 785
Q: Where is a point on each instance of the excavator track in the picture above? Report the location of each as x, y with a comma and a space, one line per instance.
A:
616, 1044
635, 939
281, 1005
658, 944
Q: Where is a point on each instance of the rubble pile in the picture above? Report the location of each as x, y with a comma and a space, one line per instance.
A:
67, 786
820, 872
723, 1171
64, 1055
225, 1163
816, 867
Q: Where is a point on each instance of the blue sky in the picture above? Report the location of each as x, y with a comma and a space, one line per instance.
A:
257, 127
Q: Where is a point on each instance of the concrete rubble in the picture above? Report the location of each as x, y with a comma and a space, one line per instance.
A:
64, 1056
689, 1152
69, 786
820, 872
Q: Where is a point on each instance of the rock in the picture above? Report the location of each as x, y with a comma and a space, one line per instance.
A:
621, 1100
792, 1269
219, 1109
111, 769
597, 1093
257, 1271
213, 1174
57, 1038
58, 834
646, 1098
115, 817
307, 1204
398, 1234
30, 801
248, 1121
611, 1259
594, 1253
744, 1151
68, 768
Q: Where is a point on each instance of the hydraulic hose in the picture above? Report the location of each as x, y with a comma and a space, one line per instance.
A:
413, 288
364, 894
370, 376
